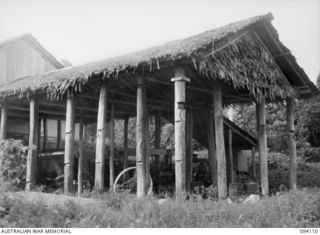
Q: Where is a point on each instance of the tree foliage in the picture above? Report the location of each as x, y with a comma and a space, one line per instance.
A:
307, 125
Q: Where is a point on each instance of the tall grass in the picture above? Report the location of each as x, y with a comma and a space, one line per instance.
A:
299, 208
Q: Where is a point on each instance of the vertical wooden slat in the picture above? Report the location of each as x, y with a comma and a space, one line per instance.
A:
45, 134
4, 118
262, 142
33, 145
180, 130
80, 160
212, 148
220, 147
141, 141
292, 144
58, 134
100, 142
69, 144
230, 153
111, 159
125, 142
189, 150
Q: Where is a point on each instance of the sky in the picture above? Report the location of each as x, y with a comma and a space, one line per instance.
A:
83, 31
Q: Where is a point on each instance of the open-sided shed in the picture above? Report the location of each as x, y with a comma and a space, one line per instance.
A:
188, 81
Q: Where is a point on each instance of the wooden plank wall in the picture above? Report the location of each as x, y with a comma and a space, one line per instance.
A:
19, 60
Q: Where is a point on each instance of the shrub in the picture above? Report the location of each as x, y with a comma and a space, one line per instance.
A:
308, 174
13, 164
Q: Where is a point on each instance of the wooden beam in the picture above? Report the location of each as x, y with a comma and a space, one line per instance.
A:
69, 144
152, 103
45, 134
101, 138
189, 150
230, 153
239, 133
4, 118
33, 145
220, 147
204, 90
80, 159
111, 159
141, 138
212, 148
262, 143
292, 144
180, 130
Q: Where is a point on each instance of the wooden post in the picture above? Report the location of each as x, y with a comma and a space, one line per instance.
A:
212, 148
80, 159
157, 142
189, 150
111, 159
258, 175
3, 125
147, 159
33, 145
45, 134
262, 142
220, 147
292, 144
101, 138
125, 141
58, 133
253, 156
230, 155
180, 130
39, 135
69, 144
141, 138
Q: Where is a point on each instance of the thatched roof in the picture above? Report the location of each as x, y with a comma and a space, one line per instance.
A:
35, 44
235, 63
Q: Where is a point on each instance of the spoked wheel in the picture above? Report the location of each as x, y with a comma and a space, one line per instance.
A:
127, 181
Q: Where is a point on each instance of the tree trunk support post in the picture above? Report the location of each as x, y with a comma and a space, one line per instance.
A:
262, 143
141, 138
80, 159
33, 144
111, 159
230, 153
212, 148
180, 131
100, 142
292, 144
157, 142
220, 146
189, 150
69, 144
4, 118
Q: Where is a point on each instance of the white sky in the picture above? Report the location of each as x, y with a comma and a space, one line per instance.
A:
83, 31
